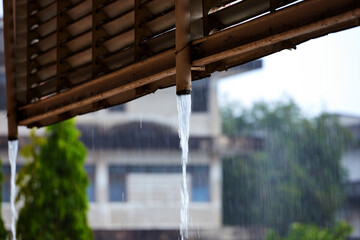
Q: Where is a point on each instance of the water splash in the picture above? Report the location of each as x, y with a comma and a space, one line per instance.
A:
184, 110
13, 150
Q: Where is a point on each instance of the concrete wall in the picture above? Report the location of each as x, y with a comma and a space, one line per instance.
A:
153, 200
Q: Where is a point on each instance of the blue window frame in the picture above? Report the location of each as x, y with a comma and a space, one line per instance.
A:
5, 191
200, 184
2, 91
90, 190
117, 179
200, 96
117, 184
118, 108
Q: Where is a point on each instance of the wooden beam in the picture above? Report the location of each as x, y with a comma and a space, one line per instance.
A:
132, 73
281, 37
102, 96
99, 36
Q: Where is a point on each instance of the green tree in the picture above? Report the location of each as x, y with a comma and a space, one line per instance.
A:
297, 231
52, 186
295, 177
3, 233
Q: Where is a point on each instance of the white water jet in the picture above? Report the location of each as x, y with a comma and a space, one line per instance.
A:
13, 150
184, 110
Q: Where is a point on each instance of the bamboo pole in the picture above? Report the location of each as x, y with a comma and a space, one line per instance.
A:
182, 40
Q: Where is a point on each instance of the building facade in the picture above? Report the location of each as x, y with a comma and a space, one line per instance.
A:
134, 163
351, 162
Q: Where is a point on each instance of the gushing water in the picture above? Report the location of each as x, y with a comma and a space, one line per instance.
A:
184, 110
13, 150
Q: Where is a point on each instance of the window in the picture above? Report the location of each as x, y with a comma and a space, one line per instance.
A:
90, 191
6, 170
200, 179
6, 184
200, 95
2, 91
118, 108
200, 184
117, 184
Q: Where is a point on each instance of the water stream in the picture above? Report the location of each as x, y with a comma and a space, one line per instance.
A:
184, 110
13, 150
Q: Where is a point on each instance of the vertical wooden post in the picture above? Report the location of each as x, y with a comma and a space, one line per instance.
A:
31, 63
9, 42
182, 41
205, 8
141, 32
62, 20
137, 31
273, 5
98, 37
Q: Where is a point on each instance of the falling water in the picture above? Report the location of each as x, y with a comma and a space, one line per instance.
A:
13, 149
184, 110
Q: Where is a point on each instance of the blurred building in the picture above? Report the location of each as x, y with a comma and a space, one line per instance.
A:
351, 162
134, 163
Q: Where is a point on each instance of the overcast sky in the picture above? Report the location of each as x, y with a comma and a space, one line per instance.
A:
320, 75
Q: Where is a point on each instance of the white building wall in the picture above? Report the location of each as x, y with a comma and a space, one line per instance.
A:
351, 162
158, 207
153, 200
161, 108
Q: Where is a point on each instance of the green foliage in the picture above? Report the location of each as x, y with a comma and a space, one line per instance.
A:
296, 177
3, 233
52, 186
312, 232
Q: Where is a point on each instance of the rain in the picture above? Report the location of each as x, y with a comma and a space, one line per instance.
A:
102, 142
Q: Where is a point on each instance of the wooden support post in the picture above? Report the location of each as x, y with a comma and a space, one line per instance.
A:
9, 68
182, 40
31, 35
137, 31
61, 50
205, 8
141, 32
273, 5
98, 37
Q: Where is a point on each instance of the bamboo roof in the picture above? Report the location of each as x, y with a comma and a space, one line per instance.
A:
70, 57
